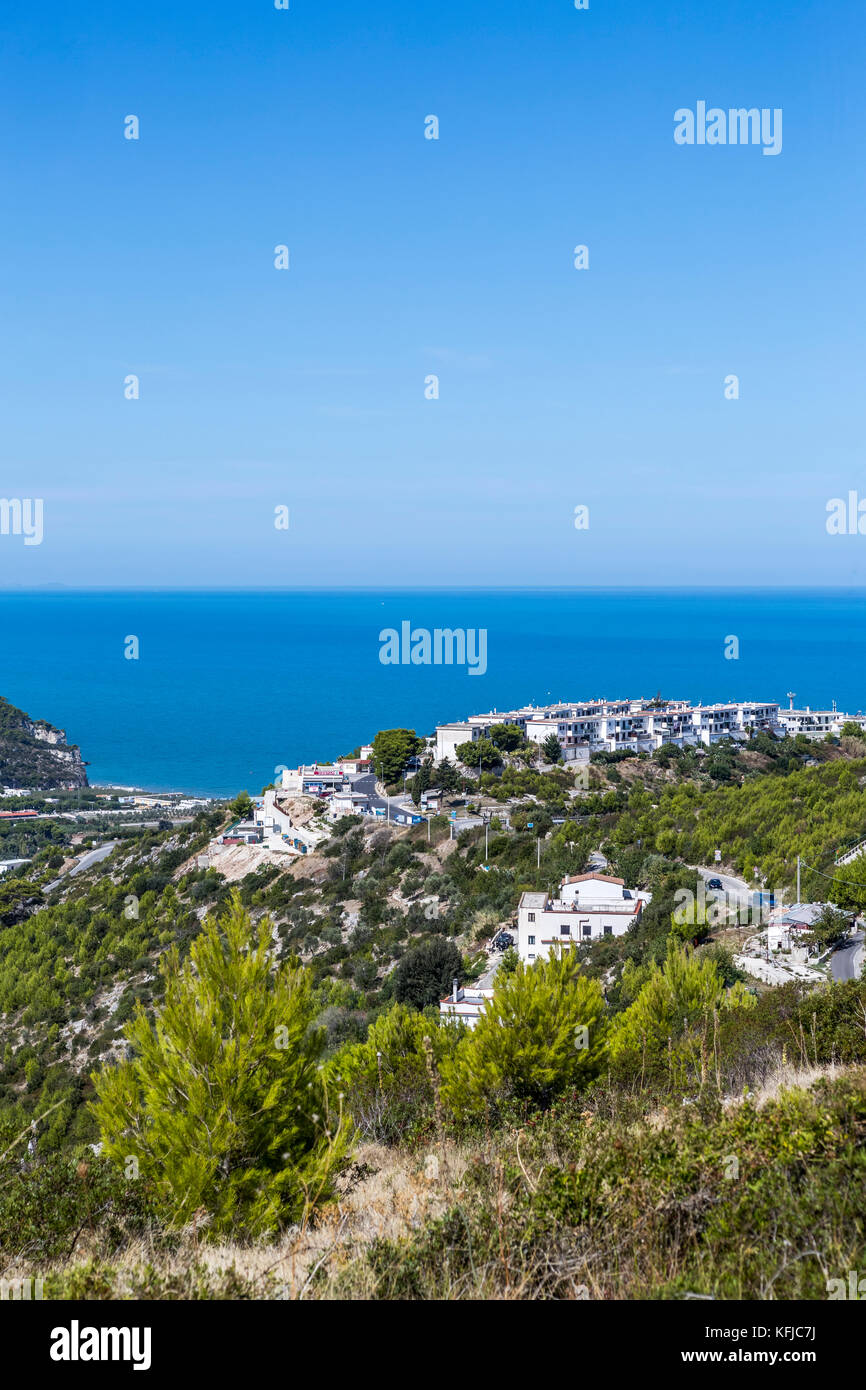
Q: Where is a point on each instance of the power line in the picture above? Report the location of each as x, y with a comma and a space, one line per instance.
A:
832, 877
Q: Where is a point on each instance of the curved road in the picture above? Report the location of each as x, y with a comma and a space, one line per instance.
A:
93, 856
366, 784
846, 962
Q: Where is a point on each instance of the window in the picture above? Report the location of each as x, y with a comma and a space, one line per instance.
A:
608, 931
564, 929
532, 957
530, 941
530, 917
586, 928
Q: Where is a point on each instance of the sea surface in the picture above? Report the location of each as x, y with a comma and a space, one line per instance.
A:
230, 686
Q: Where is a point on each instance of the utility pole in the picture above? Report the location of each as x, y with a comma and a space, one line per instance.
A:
538, 847
428, 830
486, 828
798, 878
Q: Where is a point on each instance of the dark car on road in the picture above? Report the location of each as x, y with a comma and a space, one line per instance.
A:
714, 883
503, 941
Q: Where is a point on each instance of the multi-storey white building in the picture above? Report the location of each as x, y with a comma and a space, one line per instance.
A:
587, 908
614, 725
817, 723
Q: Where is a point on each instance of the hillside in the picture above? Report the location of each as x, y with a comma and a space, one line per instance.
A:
34, 754
433, 1142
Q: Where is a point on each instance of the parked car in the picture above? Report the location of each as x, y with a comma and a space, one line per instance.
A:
714, 883
503, 941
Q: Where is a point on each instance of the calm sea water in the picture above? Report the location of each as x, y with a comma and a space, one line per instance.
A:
230, 685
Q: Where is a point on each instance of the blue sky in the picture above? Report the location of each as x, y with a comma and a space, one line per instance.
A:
412, 257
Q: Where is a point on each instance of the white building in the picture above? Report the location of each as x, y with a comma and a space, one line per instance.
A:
309, 781
354, 766
613, 725
279, 832
464, 1005
817, 723
788, 926
449, 736
587, 908
6, 864
348, 803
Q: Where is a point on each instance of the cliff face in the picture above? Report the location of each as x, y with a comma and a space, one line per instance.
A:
35, 754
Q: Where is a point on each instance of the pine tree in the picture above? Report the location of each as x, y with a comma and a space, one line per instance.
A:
682, 992
552, 749
222, 1104
542, 1032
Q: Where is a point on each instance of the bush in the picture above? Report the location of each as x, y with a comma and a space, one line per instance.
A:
387, 1080
44, 1207
766, 1203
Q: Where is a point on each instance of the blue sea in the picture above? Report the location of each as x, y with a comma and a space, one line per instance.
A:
230, 686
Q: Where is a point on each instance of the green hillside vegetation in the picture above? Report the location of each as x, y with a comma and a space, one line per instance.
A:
764, 822
125, 995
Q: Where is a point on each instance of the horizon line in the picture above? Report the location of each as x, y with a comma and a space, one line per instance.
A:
62, 589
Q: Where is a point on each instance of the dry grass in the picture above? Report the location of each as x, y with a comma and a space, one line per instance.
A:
385, 1194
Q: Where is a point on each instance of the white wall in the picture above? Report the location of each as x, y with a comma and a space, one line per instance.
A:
448, 736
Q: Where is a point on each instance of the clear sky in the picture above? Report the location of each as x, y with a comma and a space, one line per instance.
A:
411, 257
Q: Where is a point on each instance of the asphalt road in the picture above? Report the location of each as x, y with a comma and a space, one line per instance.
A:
366, 784
93, 856
736, 888
846, 962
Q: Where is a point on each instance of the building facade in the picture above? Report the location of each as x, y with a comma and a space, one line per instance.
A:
587, 907
620, 725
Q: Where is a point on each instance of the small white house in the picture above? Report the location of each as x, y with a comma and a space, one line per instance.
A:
464, 1005
789, 927
6, 864
586, 908
348, 803
450, 736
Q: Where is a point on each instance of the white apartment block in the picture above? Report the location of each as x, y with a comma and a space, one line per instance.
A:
817, 723
614, 725
587, 908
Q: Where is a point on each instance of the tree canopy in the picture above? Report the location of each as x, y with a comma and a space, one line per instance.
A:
479, 753
392, 749
552, 749
221, 1104
542, 1032
426, 973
